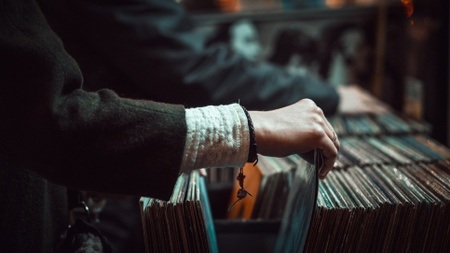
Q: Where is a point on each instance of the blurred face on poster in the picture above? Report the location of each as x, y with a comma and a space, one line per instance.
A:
244, 39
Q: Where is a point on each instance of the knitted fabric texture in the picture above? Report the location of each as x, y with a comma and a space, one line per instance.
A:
217, 136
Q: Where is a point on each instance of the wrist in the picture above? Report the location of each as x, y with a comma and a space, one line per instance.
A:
260, 129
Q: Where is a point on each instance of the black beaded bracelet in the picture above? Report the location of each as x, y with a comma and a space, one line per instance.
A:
253, 152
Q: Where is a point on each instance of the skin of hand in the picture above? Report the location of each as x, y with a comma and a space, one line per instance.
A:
355, 100
299, 128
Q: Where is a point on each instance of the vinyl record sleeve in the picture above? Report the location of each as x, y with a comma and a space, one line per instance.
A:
182, 224
300, 207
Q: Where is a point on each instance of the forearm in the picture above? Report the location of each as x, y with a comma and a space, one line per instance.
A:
88, 140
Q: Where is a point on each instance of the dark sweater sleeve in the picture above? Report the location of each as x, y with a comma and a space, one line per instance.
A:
87, 140
148, 40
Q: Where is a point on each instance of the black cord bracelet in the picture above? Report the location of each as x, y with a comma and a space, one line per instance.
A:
253, 152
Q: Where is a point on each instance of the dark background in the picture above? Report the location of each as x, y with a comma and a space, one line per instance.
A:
403, 60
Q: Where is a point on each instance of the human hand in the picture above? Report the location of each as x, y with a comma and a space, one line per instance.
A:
299, 128
355, 100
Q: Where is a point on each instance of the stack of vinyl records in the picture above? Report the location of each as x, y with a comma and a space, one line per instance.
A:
301, 202
269, 183
389, 191
383, 208
182, 224
376, 124
397, 150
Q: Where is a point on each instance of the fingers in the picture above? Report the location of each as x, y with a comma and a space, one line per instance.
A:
335, 140
326, 140
329, 130
330, 145
297, 129
329, 152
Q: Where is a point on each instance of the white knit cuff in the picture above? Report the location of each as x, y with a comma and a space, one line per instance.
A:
217, 136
